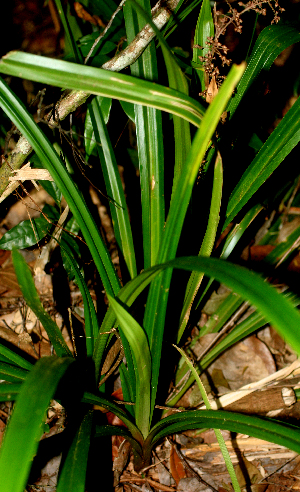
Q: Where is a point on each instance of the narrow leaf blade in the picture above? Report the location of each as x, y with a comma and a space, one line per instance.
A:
32, 299
25, 426
142, 363
73, 474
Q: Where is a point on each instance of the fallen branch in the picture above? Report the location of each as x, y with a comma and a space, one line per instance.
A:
161, 13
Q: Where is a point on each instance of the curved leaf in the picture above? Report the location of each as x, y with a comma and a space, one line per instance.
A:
279, 144
142, 363
117, 410
261, 427
25, 426
101, 82
270, 43
73, 474
90, 317
249, 285
9, 391
32, 299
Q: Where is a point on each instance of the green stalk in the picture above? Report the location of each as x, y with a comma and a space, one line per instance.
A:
218, 434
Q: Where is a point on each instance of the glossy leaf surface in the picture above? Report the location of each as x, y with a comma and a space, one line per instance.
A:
270, 43
25, 427
279, 144
263, 428
101, 82
73, 474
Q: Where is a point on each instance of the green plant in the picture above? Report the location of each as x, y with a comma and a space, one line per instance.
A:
203, 147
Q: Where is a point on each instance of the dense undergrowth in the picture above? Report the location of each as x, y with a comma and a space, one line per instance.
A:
209, 170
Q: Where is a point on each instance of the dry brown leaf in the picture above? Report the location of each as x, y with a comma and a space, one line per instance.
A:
177, 468
248, 474
8, 280
212, 90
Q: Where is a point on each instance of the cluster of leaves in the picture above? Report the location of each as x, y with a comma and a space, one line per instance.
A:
76, 381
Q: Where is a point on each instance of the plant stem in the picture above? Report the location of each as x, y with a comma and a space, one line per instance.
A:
218, 434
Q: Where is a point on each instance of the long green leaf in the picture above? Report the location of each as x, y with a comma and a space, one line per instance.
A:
199, 146
46, 153
117, 410
32, 299
204, 29
91, 325
177, 80
73, 474
158, 296
8, 372
279, 144
9, 391
64, 19
249, 285
270, 43
142, 364
148, 122
10, 356
206, 246
101, 82
25, 426
114, 189
263, 428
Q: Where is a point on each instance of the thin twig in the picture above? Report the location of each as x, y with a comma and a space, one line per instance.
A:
262, 480
96, 42
225, 328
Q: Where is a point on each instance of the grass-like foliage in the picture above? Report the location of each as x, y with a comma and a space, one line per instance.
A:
170, 206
